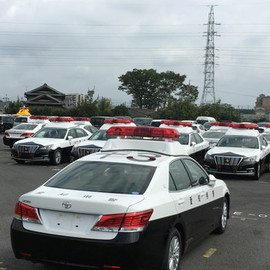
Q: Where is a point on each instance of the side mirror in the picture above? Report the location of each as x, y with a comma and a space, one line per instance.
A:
193, 144
69, 138
212, 180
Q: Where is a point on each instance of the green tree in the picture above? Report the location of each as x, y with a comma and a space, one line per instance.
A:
153, 90
142, 85
178, 109
13, 107
120, 110
104, 106
220, 111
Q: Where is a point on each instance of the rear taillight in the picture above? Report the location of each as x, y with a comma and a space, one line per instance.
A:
128, 222
27, 134
6, 134
26, 213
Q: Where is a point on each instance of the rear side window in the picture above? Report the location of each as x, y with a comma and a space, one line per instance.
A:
179, 178
104, 177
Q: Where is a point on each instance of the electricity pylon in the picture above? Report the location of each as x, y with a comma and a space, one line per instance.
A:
208, 95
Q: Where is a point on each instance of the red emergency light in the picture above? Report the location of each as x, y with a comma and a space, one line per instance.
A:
222, 124
138, 131
38, 117
267, 126
61, 119
241, 125
118, 121
176, 123
81, 118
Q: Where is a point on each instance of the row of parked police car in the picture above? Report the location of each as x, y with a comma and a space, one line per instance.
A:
226, 148
136, 197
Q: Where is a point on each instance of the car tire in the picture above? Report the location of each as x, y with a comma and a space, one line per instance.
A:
56, 158
257, 173
173, 252
223, 219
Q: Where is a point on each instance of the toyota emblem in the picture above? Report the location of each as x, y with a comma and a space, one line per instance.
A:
66, 205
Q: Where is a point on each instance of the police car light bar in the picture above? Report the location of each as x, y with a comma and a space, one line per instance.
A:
150, 132
61, 119
247, 126
176, 123
267, 126
223, 124
118, 121
80, 118
38, 117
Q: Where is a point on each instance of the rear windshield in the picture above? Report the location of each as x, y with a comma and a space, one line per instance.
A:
21, 120
25, 127
104, 177
214, 135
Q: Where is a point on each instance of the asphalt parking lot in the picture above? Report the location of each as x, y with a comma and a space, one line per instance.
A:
245, 244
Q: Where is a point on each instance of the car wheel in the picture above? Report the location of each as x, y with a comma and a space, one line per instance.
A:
257, 173
173, 251
56, 157
20, 161
223, 218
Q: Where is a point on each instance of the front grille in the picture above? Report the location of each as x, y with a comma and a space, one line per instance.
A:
228, 160
86, 151
27, 148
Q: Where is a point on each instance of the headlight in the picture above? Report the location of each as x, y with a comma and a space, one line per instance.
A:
208, 157
250, 159
74, 149
47, 147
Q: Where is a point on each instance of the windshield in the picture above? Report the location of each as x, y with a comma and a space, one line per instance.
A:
101, 135
104, 177
214, 135
25, 127
57, 133
20, 119
238, 141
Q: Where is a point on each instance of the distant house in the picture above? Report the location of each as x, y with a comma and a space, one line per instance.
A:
45, 96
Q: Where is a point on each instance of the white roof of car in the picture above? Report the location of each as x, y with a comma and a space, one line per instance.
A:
242, 132
171, 148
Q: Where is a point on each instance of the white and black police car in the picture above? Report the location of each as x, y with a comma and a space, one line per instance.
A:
52, 143
241, 151
139, 203
195, 145
99, 138
25, 129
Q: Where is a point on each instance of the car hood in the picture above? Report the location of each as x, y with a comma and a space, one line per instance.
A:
40, 141
247, 152
91, 143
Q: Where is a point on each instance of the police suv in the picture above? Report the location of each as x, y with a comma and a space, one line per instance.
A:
136, 204
52, 143
195, 145
241, 151
98, 139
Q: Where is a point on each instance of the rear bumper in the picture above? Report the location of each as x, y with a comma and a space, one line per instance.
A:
124, 251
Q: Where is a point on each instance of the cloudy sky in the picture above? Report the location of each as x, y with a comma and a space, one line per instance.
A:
76, 45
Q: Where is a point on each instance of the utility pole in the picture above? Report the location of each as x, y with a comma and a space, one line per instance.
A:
208, 95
